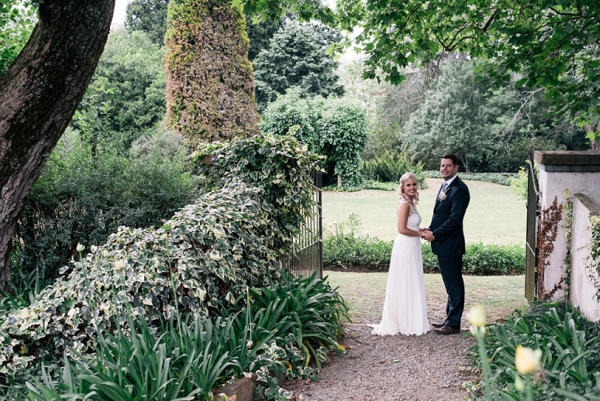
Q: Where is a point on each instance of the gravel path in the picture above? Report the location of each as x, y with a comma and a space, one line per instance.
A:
392, 368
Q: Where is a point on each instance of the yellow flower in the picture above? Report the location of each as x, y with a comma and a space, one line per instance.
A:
527, 360
476, 316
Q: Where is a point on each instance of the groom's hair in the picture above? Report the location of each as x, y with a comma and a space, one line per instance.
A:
451, 157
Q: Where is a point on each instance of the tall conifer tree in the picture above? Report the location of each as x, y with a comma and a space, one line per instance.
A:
210, 88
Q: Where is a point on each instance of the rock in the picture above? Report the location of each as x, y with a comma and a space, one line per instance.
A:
239, 390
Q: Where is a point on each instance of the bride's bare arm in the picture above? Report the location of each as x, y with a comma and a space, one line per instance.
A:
403, 212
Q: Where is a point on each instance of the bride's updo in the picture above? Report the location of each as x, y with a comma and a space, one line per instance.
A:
405, 177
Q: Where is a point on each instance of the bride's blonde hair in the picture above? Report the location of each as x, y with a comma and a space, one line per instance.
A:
401, 194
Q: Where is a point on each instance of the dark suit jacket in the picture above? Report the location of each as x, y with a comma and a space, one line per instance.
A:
447, 221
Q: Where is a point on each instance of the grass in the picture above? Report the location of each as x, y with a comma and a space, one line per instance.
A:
364, 294
495, 214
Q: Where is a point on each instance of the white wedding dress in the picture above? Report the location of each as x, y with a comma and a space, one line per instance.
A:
405, 310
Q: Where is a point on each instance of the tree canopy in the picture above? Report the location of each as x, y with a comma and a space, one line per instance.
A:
296, 57
149, 16
126, 97
552, 44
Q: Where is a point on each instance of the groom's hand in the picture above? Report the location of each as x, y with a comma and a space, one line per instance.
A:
428, 235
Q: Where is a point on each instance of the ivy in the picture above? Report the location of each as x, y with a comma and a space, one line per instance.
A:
210, 88
595, 247
203, 258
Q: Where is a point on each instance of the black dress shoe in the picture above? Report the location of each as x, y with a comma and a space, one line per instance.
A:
447, 330
438, 325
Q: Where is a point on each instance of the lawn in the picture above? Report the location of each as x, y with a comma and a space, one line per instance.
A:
495, 214
364, 294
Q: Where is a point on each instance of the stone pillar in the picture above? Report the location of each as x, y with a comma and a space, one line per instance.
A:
577, 172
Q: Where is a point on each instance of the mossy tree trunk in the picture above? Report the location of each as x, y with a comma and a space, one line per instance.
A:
39, 95
210, 86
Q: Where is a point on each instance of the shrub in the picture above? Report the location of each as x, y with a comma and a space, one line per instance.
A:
570, 353
390, 166
344, 248
267, 331
84, 195
204, 257
495, 178
335, 128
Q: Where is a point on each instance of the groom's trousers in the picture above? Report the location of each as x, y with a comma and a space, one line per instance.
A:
451, 269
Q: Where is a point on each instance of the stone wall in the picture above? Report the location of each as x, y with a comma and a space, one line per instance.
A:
565, 173
584, 281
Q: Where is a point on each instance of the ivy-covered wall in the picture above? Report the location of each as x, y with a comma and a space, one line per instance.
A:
210, 87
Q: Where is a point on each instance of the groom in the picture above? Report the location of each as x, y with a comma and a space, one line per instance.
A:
448, 241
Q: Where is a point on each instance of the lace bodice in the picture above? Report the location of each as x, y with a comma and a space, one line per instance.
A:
414, 218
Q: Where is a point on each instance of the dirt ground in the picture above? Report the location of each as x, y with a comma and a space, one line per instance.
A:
430, 367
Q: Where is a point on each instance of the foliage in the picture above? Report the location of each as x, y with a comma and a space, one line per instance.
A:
530, 39
279, 165
344, 247
489, 130
594, 247
210, 88
519, 183
17, 19
335, 128
390, 166
200, 259
260, 35
270, 330
495, 178
381, 138
82, 198
295, 58
149, 16
570, 353
126, 96
451, 119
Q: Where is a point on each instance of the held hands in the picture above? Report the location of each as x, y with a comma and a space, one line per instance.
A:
426, 234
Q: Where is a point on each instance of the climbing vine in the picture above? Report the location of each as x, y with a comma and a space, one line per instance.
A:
595, 247
567, 226
547, 230
210, 82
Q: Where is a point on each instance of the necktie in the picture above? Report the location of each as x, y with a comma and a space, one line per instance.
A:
444, 186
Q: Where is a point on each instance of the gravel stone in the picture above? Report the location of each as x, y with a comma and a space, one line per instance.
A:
392, 368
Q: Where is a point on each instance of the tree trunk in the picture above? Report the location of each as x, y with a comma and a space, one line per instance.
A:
39, 95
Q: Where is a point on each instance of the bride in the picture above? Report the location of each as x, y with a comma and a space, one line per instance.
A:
404, 310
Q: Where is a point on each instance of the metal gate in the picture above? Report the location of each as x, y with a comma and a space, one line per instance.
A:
531, 251
308, 257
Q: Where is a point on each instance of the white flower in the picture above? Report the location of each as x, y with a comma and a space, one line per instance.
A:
249, 344
119, 265
93, 248
80, 247
476, 316
527, 360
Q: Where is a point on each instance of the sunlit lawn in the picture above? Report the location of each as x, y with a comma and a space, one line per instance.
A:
495, 214
364, 294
